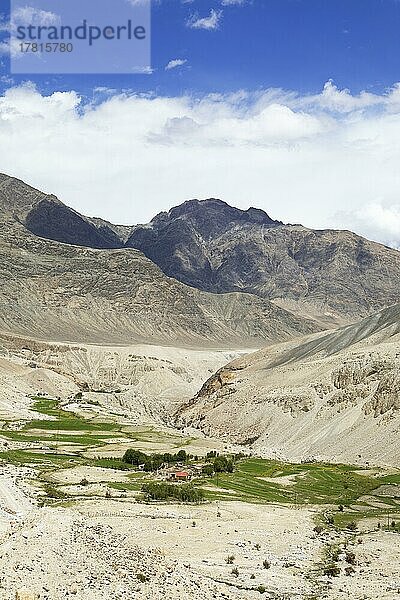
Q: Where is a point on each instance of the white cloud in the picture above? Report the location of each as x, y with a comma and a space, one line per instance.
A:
298, 157
136, 3
176, 62
210, 23
376, 220
233, 2
28, 15
25, 15
343, 101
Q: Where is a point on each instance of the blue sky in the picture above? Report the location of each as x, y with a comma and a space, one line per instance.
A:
293, 44
292, 106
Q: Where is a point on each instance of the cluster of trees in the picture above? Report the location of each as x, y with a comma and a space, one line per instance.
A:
223, 464
152, 462
165, 491
220, 464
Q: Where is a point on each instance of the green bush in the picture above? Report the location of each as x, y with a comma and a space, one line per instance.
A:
332, 571
165, 491
222, 464
53, 492
262, 589
152, 462
208, 470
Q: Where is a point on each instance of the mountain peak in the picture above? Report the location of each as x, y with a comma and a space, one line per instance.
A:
212, 216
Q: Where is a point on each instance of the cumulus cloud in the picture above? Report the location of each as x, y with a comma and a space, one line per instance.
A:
29, 15
25, 15
376, 220
325, 160
176, 62
211, 22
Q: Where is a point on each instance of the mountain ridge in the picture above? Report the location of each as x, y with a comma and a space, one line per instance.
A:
331, 397
333, 277
61, 292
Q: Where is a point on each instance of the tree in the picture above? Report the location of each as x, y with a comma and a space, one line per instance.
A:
164, 491
181, 456
208, 470
134, 457
222, 464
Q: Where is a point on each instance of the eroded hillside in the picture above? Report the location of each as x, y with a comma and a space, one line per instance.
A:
334, 397
55, 291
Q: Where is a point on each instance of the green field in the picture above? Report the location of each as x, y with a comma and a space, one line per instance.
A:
311, 483
316, 484
66, 427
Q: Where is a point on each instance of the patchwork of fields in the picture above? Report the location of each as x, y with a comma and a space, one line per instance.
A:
93, 451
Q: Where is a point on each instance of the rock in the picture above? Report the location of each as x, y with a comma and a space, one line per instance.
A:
24, 594
82, 294
216, 247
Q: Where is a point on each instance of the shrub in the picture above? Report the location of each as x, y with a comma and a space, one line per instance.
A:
332, 571
352, 526
351, 558
222, 464
142, 578
266, 564
230, 559
53, 492
318, 529
235, 571
164, 491
262, 589
349, 571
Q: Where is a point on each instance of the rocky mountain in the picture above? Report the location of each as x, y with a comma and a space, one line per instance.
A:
334, 277
334, 396
54, 291
47, 217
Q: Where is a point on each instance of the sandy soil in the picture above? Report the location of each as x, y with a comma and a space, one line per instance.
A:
377, 572
96, 549
91, 474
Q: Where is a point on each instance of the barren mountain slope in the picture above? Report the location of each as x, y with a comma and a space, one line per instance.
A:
46, 216
334, 397
334, 275
55, 291
141, 383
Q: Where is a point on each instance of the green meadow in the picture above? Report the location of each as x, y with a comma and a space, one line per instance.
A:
344, 490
